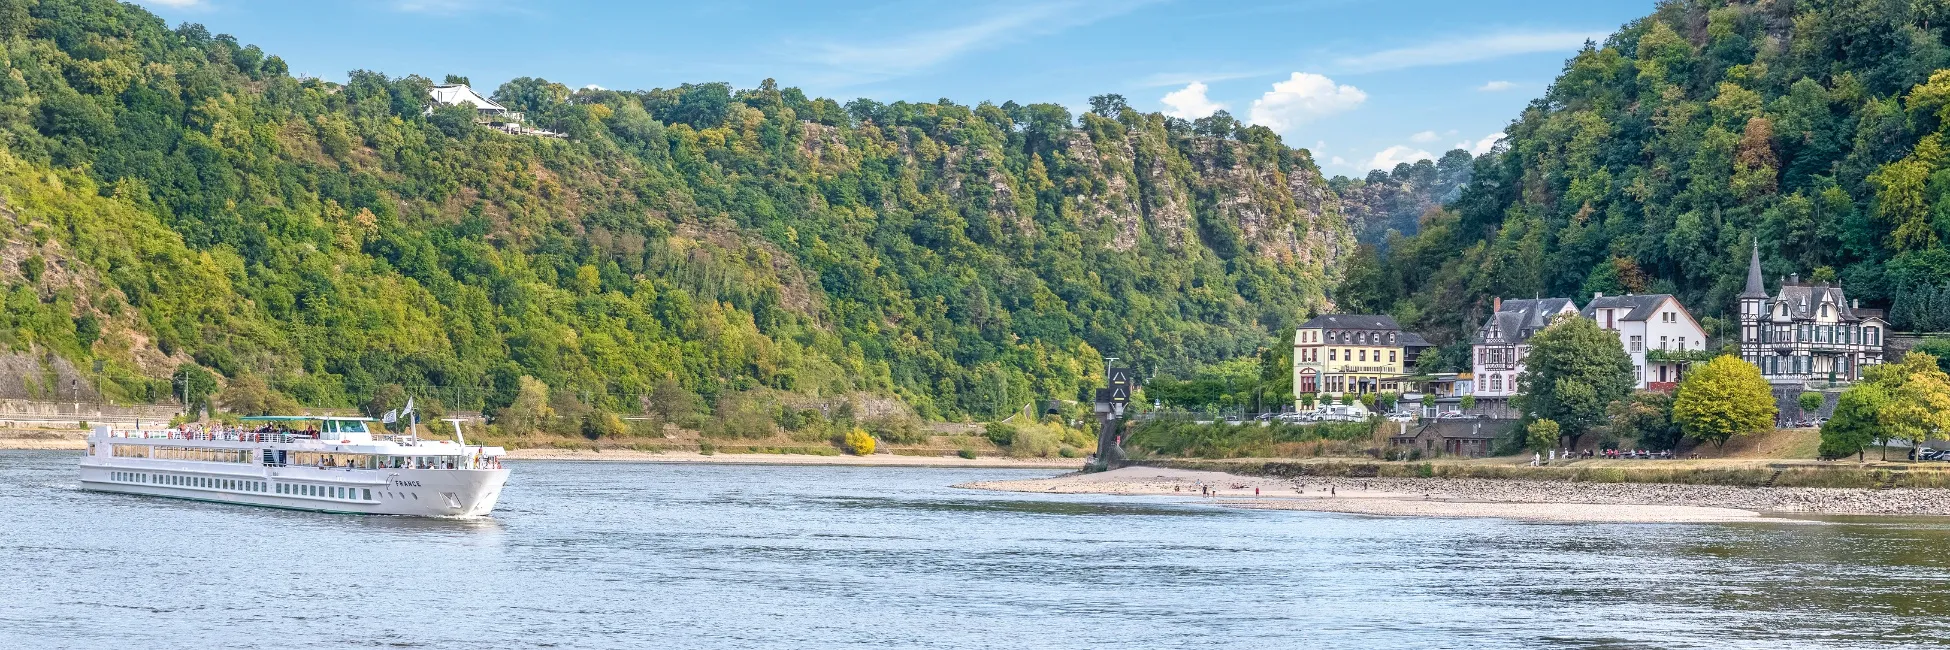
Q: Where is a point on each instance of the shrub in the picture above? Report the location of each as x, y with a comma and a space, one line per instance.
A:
1069, 452
603, 424
896, 429
859, 442
1035, 441
744, 415
999, 433
966, 453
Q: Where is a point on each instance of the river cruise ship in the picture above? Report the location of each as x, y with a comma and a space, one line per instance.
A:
326, 464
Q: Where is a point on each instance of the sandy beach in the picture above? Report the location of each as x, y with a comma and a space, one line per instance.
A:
1513, 499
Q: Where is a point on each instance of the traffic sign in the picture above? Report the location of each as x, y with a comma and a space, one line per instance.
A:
1120, 394
1120, 377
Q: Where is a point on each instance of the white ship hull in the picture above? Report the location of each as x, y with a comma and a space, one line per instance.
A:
342, 469
412, 492
367, 492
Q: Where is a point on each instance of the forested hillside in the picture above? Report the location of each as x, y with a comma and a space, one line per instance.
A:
176, 200
1814, 126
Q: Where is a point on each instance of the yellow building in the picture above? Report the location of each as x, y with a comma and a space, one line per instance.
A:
1340, 354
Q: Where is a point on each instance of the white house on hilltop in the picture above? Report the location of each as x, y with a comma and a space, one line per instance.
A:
462, 95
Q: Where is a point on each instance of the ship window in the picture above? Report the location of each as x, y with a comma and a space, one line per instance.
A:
368, 493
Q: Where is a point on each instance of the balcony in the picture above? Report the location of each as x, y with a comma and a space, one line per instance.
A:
1683, 356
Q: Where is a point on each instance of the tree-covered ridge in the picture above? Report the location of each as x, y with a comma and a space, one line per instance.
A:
1813, 126
335, 239
1388, 202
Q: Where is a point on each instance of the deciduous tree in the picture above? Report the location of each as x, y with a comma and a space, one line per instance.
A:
1574, 370
1723, 398
1856, 422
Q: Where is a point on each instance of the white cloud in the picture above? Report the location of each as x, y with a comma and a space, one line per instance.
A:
1482, 146
1190, 102
1464, 50
1425, 136
1395, 155
1337, 161
1496, 86
1302, 97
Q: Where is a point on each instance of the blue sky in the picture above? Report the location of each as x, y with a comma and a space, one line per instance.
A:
1361, 84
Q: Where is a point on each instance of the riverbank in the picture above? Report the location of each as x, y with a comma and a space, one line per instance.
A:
70, 439
1532, 500
876, 460
77, 440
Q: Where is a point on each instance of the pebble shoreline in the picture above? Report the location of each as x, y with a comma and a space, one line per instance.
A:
1513, 498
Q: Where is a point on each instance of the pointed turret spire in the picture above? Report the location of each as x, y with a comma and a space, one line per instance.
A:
1755, 289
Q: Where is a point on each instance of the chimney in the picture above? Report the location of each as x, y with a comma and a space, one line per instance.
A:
1498, 305
1597, 294
1795, 279
1855, 304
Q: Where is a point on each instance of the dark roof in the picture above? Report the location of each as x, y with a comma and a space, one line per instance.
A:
1755, 288
1804, 299
1413, 340
1351, 322
1516, 320
1642, 306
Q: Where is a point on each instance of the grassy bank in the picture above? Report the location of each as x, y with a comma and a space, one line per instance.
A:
1824, 475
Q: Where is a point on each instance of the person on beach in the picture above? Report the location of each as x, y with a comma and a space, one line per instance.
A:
1255, 492
1330, 490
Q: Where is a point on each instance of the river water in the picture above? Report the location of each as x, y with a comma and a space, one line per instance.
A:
616, 555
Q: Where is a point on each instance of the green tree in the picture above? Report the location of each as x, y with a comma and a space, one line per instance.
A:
1542, 435
1810, 402
530, 410
194, 386
1307, 401
1574, 370
1723, 398
1856, 422
1644, 420
247, 394
386, 398
601, 424
1917, 408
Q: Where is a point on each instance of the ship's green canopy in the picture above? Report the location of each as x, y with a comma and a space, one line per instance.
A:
301, 418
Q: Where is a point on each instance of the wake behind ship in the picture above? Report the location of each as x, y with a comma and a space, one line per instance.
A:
324, 464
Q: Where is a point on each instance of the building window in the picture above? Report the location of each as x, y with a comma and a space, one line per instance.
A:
1638, 374
1662, 343
1331, 355
1391, 356
1682, 342
1638, 343
1364, 355
1496, 383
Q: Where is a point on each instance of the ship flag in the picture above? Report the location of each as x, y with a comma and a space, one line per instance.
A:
390, 417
